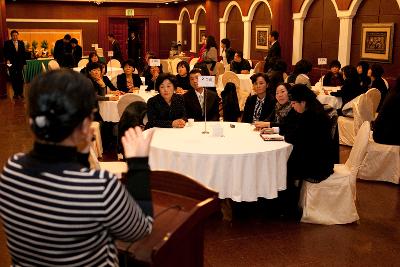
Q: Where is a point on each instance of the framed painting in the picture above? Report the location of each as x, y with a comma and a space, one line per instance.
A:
262, 37
202, 32
377, 42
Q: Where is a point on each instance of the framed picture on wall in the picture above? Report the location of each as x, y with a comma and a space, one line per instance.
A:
262, 37
377, 42
202, 32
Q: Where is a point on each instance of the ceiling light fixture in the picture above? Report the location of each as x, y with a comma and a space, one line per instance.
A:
97, 2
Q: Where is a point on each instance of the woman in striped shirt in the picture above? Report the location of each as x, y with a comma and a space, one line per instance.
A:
55, 210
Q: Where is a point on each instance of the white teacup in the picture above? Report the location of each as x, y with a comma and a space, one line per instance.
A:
190, 122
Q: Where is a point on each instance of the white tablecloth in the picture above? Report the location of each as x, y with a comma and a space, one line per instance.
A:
112, 72
109, 110
333, 101
245, 83
240, 165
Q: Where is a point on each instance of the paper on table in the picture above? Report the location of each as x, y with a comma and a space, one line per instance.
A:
272, 137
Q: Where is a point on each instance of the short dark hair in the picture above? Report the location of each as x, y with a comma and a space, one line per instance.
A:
351, 73
73, 41
91, 55
195, 71
240, 54
67, 37
111, 35
226, 42
377, 70
303, 66
93, 65
335, 63
275, 34
185, 64
165, 76
59, 101
14, 31
254, 77
129, 62
300, 92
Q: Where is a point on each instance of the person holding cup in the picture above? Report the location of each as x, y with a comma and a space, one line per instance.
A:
167, 109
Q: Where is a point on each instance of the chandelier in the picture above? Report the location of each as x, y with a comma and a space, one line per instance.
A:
98, 2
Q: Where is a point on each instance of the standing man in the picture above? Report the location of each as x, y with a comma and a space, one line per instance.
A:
194, 100
14, 53
274, 51
134, 47
76, 51
63, 51
117, 54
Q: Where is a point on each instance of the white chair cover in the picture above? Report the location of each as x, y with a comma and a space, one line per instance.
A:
125, 100
97, 143
193, 61
100, 52
53, 65
114, 63
374, 97
115, 167
83, 62
259, 67
166, 66
332, 201
232, 77
174, 64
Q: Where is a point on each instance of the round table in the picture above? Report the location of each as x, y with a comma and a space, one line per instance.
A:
333, 101
109, 109
240, 165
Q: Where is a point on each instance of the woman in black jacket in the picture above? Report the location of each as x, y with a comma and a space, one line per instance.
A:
375, 73
128, 81
362, 70
182, 78
258, 107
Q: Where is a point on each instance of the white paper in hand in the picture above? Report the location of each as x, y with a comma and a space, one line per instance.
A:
154, 62
207, 81
322, 61
9, 64
110, 53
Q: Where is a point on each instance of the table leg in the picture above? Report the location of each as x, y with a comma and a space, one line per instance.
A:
226, 209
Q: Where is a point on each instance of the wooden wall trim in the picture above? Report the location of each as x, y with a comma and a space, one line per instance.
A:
54, 20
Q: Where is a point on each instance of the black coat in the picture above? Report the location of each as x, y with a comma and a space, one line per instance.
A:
387, 126
331, 80
17, 59
274, 53
286, 123
381, 86
117, 54
349, 91
183, 82
77, 54
312, 157
122, 85
267, 108
230, 54
63, 53
160, 114
237, 67
193, 109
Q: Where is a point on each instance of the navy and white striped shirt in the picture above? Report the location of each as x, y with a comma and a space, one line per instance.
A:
56, 212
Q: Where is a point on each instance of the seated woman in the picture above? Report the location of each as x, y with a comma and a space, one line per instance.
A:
182, 78
258, 107
128, 81
68, 202
166, 109
283, 115
93, 57
362, 70
155, 71
375, 73
300, 73
351, 87
386, 126
333, 77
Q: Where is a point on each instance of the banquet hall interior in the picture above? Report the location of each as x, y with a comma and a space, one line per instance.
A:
243, 227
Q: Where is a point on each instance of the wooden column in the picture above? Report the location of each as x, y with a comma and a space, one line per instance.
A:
283, 23
212, 19
3, 37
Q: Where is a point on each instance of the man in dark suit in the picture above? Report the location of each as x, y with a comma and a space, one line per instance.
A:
274, 51
76, 51
194, 100
117, 54
14, 54
63, 51
239, 65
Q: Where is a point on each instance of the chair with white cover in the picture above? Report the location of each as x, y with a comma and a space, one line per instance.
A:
97, 143
386, 83
193, 61
250, 62
333, 200
100, 52
219, 71
259, 67
381, 163
125, 100
83, 62
364, 108
53, 65
174, 64
114, 63
115, 167
166, 66
232, 77
43, 68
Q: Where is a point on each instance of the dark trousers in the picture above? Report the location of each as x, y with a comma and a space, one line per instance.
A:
17, 80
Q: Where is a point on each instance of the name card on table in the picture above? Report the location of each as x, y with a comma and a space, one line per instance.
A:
207, 81
95, 46
110, 53
322, 61
155, 62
